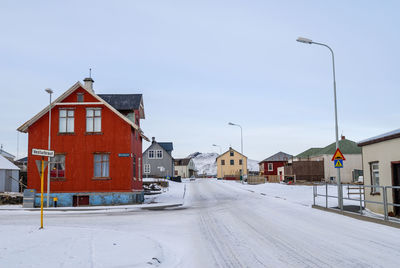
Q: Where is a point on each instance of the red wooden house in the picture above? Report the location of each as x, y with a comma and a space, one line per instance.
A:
98, 147
270, 165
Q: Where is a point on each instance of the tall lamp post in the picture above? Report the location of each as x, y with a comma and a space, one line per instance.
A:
220, 152
241, 146
48, 90
309, 41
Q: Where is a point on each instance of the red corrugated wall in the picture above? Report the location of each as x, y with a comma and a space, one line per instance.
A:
276, 165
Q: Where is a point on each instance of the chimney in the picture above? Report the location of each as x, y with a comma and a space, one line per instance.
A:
343, 137
88, 84
153, 140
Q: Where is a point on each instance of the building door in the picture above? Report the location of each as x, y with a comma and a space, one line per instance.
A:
80, 200
396, 192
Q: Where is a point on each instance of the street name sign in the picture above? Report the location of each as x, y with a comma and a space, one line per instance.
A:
42, 152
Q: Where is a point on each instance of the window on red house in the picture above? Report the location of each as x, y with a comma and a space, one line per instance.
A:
101, 165
66, 121
270, 167
93, 120
57, 166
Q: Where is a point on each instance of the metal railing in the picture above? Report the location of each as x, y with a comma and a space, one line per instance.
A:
376, 189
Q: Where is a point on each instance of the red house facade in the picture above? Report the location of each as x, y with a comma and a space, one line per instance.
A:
97, 142
270, 165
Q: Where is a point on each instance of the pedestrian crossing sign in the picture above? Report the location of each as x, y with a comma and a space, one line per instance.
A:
338, 163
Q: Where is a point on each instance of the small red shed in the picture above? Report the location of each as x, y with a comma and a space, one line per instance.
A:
98, 147
269, 166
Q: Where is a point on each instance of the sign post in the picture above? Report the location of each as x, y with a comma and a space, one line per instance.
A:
338, 159
41, 194
40, 165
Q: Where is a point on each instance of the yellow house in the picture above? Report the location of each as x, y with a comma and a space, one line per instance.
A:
230, 164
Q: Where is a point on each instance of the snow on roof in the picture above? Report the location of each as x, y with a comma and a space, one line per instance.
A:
385, 136
6, 164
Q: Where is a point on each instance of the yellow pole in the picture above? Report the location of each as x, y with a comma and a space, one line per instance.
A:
41, 195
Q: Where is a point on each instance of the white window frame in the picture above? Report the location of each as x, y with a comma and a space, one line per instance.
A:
147, 168
374, 168
104, 165
66, 122
159, 154
151, 154
57, 163
270, 166
93, 125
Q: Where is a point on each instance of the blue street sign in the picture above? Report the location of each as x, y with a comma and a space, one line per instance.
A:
338, 163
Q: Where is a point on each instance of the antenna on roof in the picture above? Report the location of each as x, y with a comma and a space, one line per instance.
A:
90, 72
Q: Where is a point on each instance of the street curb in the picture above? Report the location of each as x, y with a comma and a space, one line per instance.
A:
159, 206
359, 217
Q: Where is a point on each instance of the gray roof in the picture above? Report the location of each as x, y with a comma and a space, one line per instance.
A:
167, 146
123, 102
383, 137
182, 161
281, 156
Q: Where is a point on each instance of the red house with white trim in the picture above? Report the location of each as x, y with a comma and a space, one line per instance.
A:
98, 147
269, 166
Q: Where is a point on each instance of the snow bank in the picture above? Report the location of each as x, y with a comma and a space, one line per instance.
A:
28, 246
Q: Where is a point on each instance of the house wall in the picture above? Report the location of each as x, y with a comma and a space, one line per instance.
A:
79, 147
385, 153
166, 162
227, 169
182, 171
6, 182
353, 161
275, 165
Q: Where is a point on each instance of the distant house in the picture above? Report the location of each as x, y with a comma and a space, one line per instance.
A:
352, 167
230, 164
184, 167
157, 160
269, 166
97, 142
381, 165
9, 176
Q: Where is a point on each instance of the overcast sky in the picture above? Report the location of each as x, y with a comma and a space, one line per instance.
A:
201, 64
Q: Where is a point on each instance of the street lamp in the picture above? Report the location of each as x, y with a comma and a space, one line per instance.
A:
48, 90
241, 145
309, 41
220, 152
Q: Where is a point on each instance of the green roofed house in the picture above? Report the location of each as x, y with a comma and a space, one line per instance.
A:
352, 166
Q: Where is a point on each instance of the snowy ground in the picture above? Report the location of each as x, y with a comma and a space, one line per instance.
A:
222, 224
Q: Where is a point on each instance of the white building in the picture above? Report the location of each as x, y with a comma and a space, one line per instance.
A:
184, 167
352, 166
381, 164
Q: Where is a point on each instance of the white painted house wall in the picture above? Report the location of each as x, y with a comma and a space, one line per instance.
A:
353, 161
385, 153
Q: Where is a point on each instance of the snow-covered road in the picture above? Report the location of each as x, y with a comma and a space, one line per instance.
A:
222, 225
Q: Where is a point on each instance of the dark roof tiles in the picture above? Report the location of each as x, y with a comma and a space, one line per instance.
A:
123, 102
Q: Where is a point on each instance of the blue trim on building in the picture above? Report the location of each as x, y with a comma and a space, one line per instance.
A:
95, 199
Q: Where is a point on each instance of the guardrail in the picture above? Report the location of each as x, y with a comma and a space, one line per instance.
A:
361, 195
